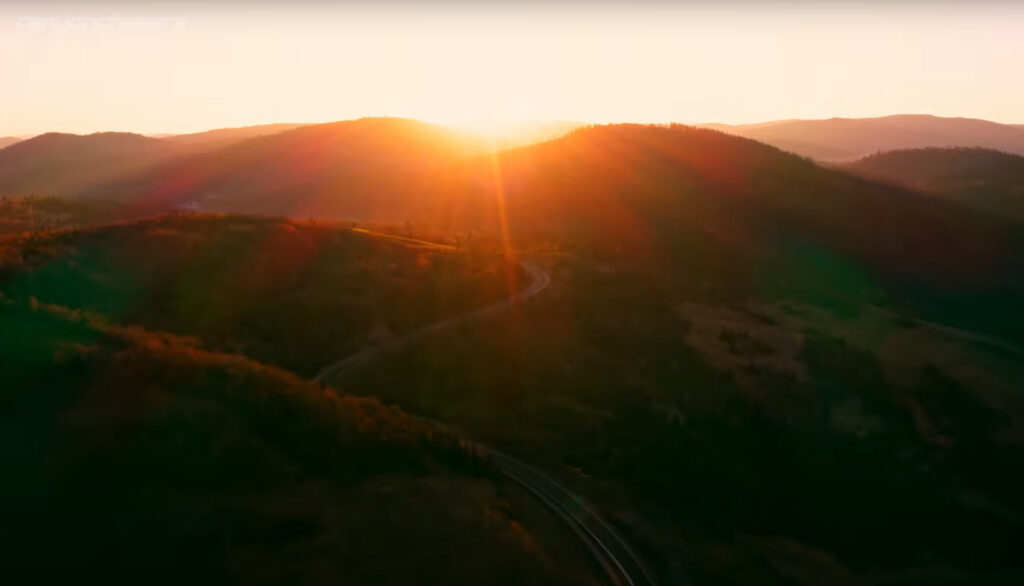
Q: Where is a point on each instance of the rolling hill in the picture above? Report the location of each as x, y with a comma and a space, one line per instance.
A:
209, 277
134, 454
7, 141
372, 168
633, 183
979, 178
67, 165
57, 164
666, 196
653, 192
687, 398
736, 344
223, 137
843, 139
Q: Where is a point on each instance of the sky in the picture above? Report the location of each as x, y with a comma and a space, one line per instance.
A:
169, 67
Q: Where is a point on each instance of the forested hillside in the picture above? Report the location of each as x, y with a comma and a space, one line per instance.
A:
137, 455
982, 179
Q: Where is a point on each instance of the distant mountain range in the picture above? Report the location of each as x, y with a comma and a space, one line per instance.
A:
368, 168
635, 187
63, 164
68, 165
845, 139
397, 169
621, 185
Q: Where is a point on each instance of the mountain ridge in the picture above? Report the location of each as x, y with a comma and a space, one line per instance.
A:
837, 139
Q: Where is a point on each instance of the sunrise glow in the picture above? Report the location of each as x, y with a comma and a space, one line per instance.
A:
159, 68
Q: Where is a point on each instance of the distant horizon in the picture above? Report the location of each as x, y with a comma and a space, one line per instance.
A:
506, 127
163, 67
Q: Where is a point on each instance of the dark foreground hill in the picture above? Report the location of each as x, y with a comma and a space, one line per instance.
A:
978, 178
844, 139
736, 429
132, 455
321, 291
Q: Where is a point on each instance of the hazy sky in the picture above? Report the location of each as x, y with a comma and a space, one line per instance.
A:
177, 67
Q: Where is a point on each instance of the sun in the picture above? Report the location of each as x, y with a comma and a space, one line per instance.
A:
490, 127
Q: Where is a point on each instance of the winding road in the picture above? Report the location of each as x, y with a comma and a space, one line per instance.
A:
618, 561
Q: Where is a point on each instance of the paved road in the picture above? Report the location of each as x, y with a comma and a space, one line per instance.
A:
621, 565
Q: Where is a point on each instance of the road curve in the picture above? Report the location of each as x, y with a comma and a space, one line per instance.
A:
618, 561
622, 566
